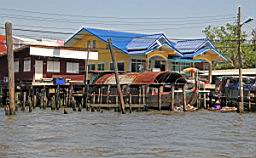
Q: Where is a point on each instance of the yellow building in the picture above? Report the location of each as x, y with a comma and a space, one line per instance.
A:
134, 52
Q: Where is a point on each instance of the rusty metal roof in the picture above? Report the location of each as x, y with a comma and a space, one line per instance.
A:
141, 78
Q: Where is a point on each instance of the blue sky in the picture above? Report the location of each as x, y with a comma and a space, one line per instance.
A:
176, 18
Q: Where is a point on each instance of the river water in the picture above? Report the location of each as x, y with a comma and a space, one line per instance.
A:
139, 134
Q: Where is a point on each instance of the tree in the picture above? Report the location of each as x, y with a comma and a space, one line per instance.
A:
225, 39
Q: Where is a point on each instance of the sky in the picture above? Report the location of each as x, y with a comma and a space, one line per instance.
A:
178, 19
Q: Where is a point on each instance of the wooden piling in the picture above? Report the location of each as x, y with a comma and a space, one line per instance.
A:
10, 59
86, 81
143, 94
184, 97
24, 101
139, 95
130, 102
108, 93
34, 97
44, 98
122, 106
57, 97
159, 98
172, 97
249, 102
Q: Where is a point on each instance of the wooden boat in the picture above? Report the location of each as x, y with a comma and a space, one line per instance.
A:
228, 109
224, 109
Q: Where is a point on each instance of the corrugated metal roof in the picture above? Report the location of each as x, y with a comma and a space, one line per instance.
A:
142, 42
190, 45
119, 39
230, 72
128, 42
141, 78
194, 47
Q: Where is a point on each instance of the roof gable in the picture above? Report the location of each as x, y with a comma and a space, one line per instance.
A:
193, 45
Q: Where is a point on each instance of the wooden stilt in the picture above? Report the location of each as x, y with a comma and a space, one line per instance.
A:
34, 97
24, 101
172, 98
120, 94
58, 97
159, 98
44, 98
184, 97
249, 102
130, 100
139, 95
10, 59
108, 92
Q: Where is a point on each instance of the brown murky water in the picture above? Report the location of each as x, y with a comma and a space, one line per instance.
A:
140, 134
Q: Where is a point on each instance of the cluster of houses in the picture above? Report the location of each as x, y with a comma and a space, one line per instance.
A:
41, 61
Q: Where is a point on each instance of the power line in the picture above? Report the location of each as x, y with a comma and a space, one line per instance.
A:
111, 21
111, 17
55, 20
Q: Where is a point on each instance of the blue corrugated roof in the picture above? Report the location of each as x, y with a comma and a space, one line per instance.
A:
119, 39
143, 42
191, 45
130, 43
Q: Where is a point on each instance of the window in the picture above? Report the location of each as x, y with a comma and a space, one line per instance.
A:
138, 65
101, 67
72, 67
157, 64
88, 44
179, 66
91, 67
16, 65
27, 65
176, 66
91, 44
53, 66
206, 66
120, 66
94, 44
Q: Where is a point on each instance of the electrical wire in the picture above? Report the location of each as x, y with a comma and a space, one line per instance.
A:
111, 17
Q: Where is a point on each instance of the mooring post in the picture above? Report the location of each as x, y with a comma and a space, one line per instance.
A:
108, 93
130, 100
86, 81
117, 78
44, 98
58, 97
29, 99
10, 59
24, 101
33, 97
143, 94
249, 102
139, 94
184, 97
159, 97
41, 94
172, 98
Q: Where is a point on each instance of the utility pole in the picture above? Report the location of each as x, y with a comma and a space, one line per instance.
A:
254, 39
121, 98
86, 77
9, 43
241, 89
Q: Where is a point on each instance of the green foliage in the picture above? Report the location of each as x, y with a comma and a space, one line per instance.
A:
225, 39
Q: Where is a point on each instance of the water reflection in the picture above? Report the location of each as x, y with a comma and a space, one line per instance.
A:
109, 134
